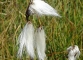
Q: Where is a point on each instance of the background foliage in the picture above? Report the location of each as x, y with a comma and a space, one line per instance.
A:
61, 32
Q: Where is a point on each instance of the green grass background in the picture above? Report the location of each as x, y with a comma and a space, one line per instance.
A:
60, 32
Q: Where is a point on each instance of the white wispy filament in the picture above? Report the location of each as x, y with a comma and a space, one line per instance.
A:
26, 40
73, 52
40, 43
40, 7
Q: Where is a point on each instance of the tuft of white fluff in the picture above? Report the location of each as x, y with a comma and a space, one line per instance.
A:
40, 43
73, 52
26, 40
40, 7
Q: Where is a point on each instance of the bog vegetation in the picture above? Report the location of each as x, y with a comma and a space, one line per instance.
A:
60, 32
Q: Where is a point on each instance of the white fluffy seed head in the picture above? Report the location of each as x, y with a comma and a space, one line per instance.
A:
73, 52
26, 40
40, 43
40, 7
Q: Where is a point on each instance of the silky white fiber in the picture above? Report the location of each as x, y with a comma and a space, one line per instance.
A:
40, 7
73, 52
40, 43
26, 40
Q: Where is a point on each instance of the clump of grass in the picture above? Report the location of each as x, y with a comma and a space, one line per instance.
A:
60, 32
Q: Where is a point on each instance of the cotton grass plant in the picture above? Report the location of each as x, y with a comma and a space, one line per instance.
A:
38, 7
73, 52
